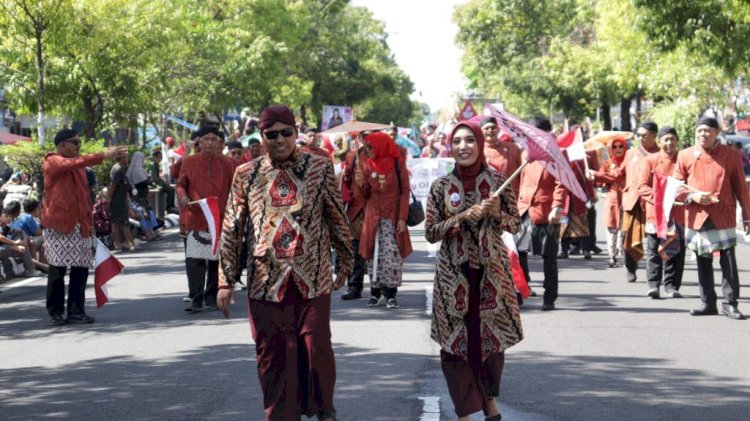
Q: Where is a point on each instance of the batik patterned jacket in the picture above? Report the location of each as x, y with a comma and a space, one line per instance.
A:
296, 216
472, 245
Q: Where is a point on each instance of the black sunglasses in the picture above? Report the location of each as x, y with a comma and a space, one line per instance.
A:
273, 134
618, 147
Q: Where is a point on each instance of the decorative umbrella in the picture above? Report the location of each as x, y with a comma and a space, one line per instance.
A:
355, 126
603, 139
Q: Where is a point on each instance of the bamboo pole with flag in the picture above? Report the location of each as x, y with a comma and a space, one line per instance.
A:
106, 267
210, 208
519, 278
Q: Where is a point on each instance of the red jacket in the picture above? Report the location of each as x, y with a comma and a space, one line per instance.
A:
66, 192
663, 164
614, 178
385, 202
203, 176
355, 197
505, 157
632, 166
720, 173
539, 193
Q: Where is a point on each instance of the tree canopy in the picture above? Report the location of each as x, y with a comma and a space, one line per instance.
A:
104, 62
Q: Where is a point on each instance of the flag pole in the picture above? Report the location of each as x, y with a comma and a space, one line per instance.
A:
374, 277
507, 182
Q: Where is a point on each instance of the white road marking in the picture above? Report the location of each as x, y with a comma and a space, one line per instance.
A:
428, 300
20, 283
430, 408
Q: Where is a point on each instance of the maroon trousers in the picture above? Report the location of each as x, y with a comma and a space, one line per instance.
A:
472, 382
296, 365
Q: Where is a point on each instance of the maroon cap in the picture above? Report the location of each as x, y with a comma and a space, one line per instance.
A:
276, 114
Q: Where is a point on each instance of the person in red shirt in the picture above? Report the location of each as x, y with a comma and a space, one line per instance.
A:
662, 162
540, 201
715, 171
353, 184
67, 222
386, 187
205, 174
633, 219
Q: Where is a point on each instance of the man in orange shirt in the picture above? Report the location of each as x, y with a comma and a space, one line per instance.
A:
540, 201
205, 174
663, 163
68, 224
633, 209
501, 152
716, 171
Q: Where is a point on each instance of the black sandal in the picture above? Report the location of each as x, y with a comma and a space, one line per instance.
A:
497, 417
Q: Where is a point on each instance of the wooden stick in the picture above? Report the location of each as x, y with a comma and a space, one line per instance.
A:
693, 189
507, 182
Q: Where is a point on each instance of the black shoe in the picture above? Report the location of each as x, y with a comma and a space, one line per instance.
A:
532, 293
352, 294
194, 308
613, 262
654, 293
704, 310
391, 303
497, 417
80, 318
587, 255
597, 250
57, 320
562, 255
631, 277
548, 306
673, 293
375, 301
731, 311
575, 251
519, 298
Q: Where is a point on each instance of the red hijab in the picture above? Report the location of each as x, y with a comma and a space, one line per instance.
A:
617, 160
385, 150
468, 174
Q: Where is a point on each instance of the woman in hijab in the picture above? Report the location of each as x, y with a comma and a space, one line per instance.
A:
386, 189
139, 178
611, 175
475, 314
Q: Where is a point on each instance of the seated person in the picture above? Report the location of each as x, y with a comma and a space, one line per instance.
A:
102, 219
13, 244
145, 220
28, 222
15, 189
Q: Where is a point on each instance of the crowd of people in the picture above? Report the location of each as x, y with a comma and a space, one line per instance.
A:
284, 208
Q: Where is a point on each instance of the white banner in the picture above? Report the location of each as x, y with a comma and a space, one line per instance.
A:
423, 171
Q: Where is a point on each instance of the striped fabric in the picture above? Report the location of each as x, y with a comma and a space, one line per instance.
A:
708, 240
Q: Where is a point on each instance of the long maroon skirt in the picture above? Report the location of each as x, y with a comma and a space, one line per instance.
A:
472, 382
296, 365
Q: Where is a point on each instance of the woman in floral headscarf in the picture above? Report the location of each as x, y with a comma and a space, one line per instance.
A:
475, 314
386, 188
611, 175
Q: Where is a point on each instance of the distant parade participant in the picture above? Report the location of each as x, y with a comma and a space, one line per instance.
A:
540, 203
202, 175
612, 175
716, 171
67, 222
293, 204
634, 218
386, 187
234, 150
501, 152
475, 316
663, 162
353, 190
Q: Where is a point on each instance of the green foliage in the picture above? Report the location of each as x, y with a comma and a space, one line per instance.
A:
679, 114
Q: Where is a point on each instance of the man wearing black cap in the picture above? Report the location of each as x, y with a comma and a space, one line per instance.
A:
205, 174
540, 201
714, 173
293, 204
234, 149
634, 217
673, 245
67, 220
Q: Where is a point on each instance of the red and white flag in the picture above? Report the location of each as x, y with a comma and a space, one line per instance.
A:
572, 142
106, 267
522, 284
665, 192
210, 208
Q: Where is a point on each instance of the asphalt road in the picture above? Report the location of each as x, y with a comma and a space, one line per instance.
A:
607, 353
